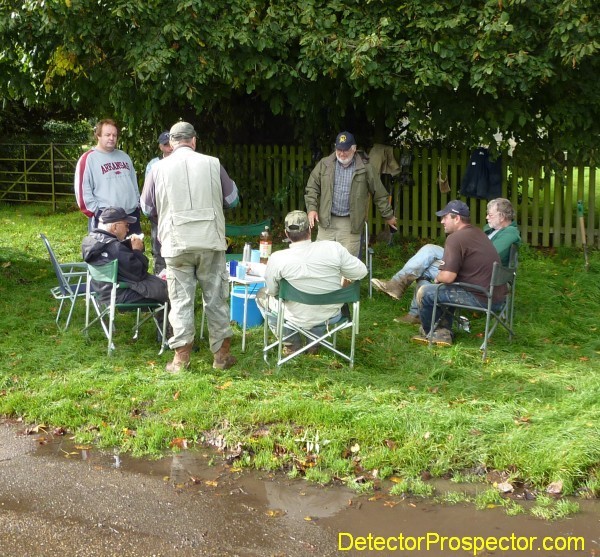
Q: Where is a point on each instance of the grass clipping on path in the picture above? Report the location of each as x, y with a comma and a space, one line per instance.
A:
530, 412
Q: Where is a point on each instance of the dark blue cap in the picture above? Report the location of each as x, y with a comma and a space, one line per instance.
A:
344, 141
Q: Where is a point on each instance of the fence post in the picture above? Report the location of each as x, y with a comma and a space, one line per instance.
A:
52, 182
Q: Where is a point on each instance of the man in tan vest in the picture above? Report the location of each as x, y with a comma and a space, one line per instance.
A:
187, 192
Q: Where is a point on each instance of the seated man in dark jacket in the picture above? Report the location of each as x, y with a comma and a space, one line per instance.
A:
107, 243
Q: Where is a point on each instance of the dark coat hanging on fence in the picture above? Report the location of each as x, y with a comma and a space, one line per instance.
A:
483, 177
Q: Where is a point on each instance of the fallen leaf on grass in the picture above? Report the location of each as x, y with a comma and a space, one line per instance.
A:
176, 395
261, 432
523, 420
505, 487
555, 488
35, 429
225, 385
355, 448
390, 444
179, 442
129, 432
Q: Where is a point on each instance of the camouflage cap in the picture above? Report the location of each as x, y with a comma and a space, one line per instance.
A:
297, 221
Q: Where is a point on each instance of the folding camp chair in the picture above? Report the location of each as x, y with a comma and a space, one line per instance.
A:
233, 231
328, 340
109, 273
503, 315
71, 282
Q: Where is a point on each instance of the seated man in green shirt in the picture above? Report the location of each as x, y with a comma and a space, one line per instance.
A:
501, 229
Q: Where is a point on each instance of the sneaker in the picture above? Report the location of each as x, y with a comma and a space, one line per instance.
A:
408, 319
395, 287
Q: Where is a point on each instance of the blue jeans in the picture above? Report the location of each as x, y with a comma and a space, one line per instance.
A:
425, 263
449, 293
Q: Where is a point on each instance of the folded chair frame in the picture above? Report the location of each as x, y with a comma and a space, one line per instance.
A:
71, 283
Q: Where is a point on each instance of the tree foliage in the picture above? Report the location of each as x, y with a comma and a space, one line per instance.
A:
454, 72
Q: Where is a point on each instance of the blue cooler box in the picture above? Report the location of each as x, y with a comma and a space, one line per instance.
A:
236, 309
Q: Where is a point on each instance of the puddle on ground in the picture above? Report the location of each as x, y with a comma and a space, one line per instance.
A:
375, 524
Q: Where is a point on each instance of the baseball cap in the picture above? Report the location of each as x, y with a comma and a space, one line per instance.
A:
297, 221
182, 130
163, 138
344, 141
455, 207
115, 214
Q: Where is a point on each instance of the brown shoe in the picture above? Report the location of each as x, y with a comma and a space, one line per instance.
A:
441, 337
222, 357
408, 319
395, 287
181, 359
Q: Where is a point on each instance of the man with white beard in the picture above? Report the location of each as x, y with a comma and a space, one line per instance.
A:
337, 193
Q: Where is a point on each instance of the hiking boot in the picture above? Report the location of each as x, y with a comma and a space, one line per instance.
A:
181, 359
408, 319
313, 350
222, 357
421, 338
289, 349
395, 287
440, 337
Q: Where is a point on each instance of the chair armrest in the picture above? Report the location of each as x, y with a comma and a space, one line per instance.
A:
466, 286
74, 268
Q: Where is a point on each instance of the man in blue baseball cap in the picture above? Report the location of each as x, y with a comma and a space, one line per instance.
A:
468, 256
338, 191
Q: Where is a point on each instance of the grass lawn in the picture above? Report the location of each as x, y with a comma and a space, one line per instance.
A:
531, 412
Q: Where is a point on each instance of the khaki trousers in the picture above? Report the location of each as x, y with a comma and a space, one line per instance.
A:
184, 271
339, 231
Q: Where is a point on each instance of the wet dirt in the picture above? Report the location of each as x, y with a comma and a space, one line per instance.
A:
59, 498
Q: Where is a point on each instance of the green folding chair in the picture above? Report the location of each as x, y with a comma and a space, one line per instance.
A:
108, 274
287, 293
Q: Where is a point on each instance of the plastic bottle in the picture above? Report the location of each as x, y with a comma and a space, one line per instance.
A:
265, 244
247, 253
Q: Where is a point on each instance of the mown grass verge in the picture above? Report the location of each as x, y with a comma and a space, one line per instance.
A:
531, 411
